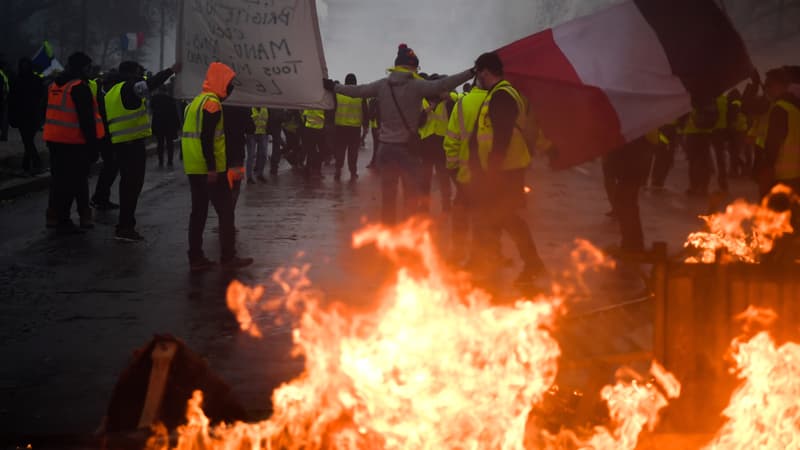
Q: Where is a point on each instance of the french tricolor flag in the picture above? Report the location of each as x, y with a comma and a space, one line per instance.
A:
132, 41
602, 80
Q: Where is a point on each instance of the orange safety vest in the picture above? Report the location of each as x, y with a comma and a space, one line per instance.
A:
61, 121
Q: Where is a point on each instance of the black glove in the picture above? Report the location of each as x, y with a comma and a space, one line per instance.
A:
328, 84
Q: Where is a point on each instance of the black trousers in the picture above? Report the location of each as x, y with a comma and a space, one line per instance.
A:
30, 160
398, 166
313, 144
373, 160
434, 163
165, 144
663, 159
719, 142
461, 223
500, 197
69, 168
102, 190
628, 167
219, 195
132, 159
348, 142
277, 150
698, 152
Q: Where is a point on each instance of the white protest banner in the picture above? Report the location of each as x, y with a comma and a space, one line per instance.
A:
274, 46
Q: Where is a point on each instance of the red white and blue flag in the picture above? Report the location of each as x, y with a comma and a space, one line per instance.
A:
603, 80
132, 41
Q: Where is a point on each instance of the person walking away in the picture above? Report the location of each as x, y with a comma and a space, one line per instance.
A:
205, 164
257, 145
432, 134
73, 129
400, 97
720, 139
313, 142
274, 128
291, 129
27, 102
629, 167
460, 127
5, 90
165, 124
499, 157
238, 124
374, 117
129, 127
782, 144
349, 119
697, 129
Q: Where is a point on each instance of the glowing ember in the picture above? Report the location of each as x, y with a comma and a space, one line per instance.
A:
745, 231
764, 412
437, 366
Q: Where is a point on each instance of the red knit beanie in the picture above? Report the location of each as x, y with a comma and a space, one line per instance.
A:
406, 57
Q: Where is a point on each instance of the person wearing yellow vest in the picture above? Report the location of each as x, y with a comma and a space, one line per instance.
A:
433, 132
291, 130
782, 143
73, 129
456, 149
400, 95
205, 164
498, 160
737, 127
350, 120
313, 142
257, 145
697, 128
129, 125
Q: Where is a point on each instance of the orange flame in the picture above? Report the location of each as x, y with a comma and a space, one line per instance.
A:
745, 231
437, 366
764, 412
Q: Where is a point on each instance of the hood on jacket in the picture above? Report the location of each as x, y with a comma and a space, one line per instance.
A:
218, 77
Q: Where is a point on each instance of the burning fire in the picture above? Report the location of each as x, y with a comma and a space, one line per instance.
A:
745, 231
764, 411
437, 366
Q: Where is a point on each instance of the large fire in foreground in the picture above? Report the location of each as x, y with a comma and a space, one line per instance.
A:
437, 366
764, 411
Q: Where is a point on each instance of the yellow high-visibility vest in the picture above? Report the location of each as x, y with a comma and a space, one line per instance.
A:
314, 118
260, 117
193, 161
349, 112
517, 155
125, 125
459, 128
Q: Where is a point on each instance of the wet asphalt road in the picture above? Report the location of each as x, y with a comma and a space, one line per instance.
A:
72, 309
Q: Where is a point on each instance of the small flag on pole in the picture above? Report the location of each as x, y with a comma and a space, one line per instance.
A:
43, 57
132, 41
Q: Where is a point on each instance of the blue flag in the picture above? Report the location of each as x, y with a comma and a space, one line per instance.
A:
43, 58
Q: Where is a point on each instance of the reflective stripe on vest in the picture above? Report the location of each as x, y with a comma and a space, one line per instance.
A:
260, 118
787, 165
194, 163
314, 118
517, 155
349, 112
61, 120
6, 86
125, 125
